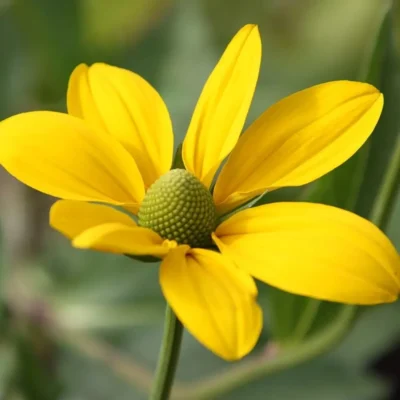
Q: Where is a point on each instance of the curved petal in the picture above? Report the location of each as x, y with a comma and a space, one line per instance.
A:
313, 250
62, 156
121, 239
223, 105
213, 299
74, 217
99, 227
129, 108
299, 139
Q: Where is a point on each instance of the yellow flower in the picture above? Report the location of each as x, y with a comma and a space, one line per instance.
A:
115, 147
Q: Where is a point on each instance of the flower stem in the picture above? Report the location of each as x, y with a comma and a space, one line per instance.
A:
307, 318
168, 357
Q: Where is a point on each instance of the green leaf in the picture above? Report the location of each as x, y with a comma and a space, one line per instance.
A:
341, 187
295, 318
383, 140
396, 23
320, 379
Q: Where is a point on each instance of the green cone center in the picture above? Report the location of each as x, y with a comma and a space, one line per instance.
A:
179, 207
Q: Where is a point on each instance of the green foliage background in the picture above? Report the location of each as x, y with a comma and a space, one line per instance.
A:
79, 325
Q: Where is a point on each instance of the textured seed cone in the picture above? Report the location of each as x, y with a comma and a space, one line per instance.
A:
179, 207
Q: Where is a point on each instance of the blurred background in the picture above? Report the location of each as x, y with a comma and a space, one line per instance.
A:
79, 325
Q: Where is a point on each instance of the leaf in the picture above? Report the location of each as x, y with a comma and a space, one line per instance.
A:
396, 23
384, 138
295, 318
319, 379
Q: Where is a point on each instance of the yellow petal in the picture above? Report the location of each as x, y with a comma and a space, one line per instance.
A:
299, 139
99, 227
62, 156
129, 108
74, 217
213, 299
80, 100
122, 239
313, 250
223, 105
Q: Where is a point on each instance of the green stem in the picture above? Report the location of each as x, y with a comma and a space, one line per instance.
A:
168, 358
306, 320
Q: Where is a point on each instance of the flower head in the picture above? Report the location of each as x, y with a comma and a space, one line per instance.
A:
115, 147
